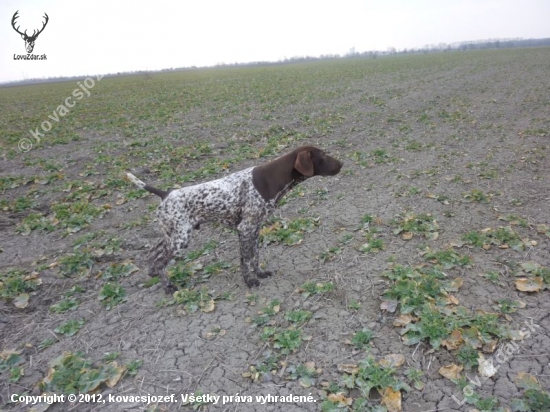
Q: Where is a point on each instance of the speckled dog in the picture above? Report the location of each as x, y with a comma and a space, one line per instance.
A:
242, 200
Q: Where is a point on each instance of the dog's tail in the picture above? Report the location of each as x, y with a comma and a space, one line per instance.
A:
142, 185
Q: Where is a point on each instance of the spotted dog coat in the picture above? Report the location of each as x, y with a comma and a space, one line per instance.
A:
242, 200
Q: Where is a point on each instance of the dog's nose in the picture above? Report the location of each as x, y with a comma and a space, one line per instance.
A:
338, 167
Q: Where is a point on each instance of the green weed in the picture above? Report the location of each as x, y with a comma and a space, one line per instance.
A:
10, 361
298, 316
265, 315
289, 233
313, 288
79, 263
476, 195
64, 305
70, 327
286, 341
35, 221
304, 373
116, 271
502, 237
193, 300
362, 338
373, 245
467, 356
447, 259
415, 375
410, 224
132, 367
112, 294
72, 374
16, 285
371, 375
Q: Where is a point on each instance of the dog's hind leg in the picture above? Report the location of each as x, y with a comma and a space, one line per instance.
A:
159, 257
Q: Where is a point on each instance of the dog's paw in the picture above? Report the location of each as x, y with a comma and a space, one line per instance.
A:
262, 274
169, 288
251, 282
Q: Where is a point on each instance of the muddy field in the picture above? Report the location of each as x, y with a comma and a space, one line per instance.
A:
431, 245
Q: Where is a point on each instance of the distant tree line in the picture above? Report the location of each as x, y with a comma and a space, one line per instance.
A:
484, 44
460, 46
428, 48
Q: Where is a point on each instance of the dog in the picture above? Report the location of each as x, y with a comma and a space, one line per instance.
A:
241, 200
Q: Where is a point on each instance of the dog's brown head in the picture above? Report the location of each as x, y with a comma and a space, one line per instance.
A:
311, 161
302, 163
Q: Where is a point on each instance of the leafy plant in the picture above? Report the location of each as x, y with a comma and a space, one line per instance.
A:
304, 373
76, 215
313, 288
430, 314
447, 258
111, 356
286, 341
70, 327
476, 195
330, 254
373, 245
381, 156
252, 299
289, 233
72, 374
132, 367
507, 306
193, 300
267, 313
115, 271
467, 356
78, 263
267, 364
493, 277
502, 237
112, 294
16, 286
415, 375
487, 404
298, 316
10, 361
369, 375
410, 224
46, 343
18, 205
182, 273
537, 400
64, 305
34, 221
362, 338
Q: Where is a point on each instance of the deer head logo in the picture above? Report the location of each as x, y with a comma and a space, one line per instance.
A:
29, 40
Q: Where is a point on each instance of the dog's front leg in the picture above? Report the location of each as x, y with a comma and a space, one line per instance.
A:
248, 239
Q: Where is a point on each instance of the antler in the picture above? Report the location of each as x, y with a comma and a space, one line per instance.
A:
15, 16
34, 34
43, 25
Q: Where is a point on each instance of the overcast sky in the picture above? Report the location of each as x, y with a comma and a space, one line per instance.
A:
107, 36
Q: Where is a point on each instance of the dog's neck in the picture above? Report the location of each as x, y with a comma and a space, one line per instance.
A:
288, 188
274, 179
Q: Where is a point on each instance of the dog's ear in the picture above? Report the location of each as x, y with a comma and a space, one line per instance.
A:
304, 164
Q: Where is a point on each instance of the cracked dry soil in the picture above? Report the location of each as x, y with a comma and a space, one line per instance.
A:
466, 114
